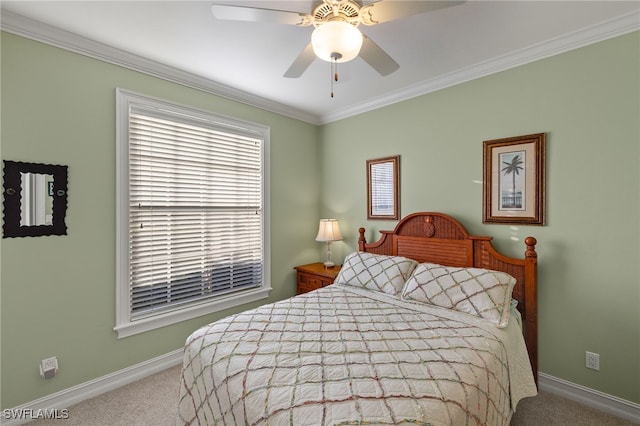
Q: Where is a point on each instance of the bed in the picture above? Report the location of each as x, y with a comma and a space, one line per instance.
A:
428, 325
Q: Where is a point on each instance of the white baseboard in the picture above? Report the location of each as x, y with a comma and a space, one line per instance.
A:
64, 399
591, 398
71, 396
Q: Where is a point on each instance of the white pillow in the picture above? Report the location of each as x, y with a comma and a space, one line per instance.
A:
377, 272
481, 292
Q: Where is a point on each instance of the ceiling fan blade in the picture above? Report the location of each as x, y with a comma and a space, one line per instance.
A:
302, 62
390, 10
254, 14
377, 58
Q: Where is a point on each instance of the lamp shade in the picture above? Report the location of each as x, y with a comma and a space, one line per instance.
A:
329, 230
336, 40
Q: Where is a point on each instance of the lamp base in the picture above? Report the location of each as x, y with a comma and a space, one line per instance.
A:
329, 264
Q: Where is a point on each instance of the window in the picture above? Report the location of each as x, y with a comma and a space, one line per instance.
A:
191, 214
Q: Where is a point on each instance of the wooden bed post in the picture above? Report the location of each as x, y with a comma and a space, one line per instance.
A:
361, 240
531, 302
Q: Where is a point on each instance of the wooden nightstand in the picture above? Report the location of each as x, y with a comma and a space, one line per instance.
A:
314, 276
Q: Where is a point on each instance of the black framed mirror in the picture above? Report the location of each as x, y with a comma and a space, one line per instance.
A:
35, 199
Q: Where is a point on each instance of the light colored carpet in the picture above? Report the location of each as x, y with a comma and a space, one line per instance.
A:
152, 401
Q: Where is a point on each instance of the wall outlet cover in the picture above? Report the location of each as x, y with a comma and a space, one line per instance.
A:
49, 367
593, 361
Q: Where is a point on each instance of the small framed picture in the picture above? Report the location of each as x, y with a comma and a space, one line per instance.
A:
514, 180
383, 186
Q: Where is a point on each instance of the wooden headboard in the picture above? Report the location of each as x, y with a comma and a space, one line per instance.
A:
439, 238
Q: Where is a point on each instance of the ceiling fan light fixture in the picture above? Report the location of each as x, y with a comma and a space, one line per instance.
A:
336, 41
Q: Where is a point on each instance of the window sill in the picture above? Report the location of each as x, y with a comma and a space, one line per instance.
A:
142, 325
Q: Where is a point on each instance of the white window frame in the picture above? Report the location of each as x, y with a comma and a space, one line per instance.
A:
125, 324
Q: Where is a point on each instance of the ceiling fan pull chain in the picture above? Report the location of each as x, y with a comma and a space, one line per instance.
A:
334, 74
334, 68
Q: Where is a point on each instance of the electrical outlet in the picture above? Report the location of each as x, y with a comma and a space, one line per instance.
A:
593, 361
49, 367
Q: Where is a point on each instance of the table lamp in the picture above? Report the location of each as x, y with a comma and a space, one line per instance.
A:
329, 231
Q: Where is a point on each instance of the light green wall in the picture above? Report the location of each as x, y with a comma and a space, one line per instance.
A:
58, 292
587, 101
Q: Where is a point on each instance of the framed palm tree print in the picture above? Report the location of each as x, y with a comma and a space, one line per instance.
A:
514, 180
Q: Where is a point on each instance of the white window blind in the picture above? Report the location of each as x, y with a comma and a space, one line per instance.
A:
194, 211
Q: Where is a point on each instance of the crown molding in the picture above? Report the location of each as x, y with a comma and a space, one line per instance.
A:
25, 27
38, 31
615, 27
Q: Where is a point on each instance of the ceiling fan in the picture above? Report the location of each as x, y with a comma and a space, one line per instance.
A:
336, 37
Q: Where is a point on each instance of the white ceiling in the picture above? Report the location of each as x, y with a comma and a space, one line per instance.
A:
247, 60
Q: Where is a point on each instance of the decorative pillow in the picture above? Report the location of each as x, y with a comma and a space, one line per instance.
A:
377, 272
481, 292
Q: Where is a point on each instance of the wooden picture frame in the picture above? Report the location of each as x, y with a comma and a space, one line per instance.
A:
514, 180
383, 188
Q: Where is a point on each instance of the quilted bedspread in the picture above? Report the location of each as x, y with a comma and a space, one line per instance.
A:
346, 356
